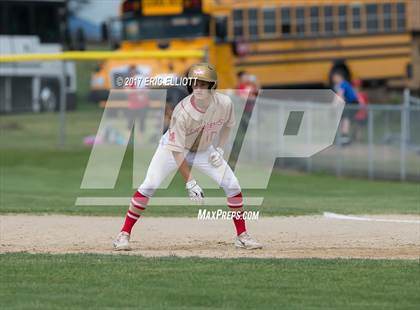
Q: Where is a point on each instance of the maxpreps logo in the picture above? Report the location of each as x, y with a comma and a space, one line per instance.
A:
283, 123
219, 214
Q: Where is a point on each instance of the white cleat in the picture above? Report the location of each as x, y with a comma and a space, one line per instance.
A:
122, 242
244, 241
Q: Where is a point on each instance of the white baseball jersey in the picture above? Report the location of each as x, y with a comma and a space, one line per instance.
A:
188, 123
195, 130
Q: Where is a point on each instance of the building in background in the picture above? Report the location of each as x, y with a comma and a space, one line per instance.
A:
28, 27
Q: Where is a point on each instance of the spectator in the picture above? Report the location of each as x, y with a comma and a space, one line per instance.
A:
344, 89
138, 102
247, 85
241, 86
248, 90
173, 96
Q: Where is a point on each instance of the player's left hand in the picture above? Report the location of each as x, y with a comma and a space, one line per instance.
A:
216, 157
194, 191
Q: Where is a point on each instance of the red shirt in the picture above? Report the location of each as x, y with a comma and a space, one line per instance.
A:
362, 114
137, 99
247, 89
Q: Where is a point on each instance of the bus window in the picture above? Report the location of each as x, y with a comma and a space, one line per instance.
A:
372, 17
328, 19
166, 27
285, 21
238, 30
357, 25
400, 16
342, 19
253, 23
269, 15
131, 29
387, 13
314, 20
221, 28
300, 21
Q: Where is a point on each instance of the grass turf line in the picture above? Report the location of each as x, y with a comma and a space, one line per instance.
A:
36, 177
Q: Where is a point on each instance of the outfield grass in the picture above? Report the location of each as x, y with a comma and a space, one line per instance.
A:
98, 281
37, 177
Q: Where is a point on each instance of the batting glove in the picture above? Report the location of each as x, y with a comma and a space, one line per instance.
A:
194, 191
216, 157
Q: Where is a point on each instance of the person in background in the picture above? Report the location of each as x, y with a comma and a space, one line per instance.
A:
344, 89
247, 89
362, 115
241, 86
173, 96
138, 102
247, 86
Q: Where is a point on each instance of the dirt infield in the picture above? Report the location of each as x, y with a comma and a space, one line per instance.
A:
283, 237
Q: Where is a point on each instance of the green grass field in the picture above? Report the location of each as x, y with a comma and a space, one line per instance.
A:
37, 177
101, 281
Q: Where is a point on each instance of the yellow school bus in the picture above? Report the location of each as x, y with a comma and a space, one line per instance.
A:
283, 43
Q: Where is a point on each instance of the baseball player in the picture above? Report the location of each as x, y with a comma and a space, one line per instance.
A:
199, 129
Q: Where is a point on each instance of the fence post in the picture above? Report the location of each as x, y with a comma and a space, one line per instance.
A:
309, 136
8, 94
371, 173
338, 164
63, 107
254, 122
279, 136
403, 140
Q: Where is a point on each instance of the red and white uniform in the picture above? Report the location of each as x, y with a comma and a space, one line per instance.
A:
193, 132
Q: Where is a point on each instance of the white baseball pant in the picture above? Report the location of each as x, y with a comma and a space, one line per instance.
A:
163, 163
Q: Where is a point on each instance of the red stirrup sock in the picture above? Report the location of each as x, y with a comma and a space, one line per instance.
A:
137, 205
235, 203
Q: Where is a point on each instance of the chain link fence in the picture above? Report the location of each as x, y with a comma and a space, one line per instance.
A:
384, 145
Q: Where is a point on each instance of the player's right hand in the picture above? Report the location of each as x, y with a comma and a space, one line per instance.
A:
194, 191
